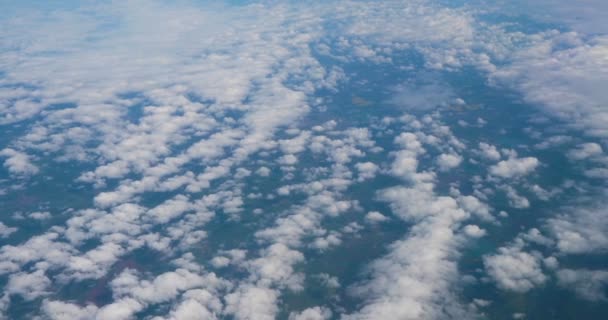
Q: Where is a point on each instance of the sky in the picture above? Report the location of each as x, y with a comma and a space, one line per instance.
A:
314, 160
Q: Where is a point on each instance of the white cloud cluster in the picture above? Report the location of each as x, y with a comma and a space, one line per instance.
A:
178, 100
515, 270
588, 284
582, 230
542, 72
409, 283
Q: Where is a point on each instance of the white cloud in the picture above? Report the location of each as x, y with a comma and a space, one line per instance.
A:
18, 162
474, 231
408, 283
263, 171
514, 167
543, 72
515, 199
367, 170
28, 285
489, 151
515, 270
214, 88
57, 310
585, 150
588, 284
375, 217
582, 230
40, 215
314, 313
251, 302
6, 231
448, 161
288, 160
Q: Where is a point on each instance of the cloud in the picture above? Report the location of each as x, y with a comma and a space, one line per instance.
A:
6, 231
427, 96
489, 151
28, 285
375, 217
314, 313
542, 72
18, 162
367, 170
448, 161
514, 167
515, 270
582, 230
474, 231
588, 284
407, 283
252, 302
585, 150
515, 199
166, 109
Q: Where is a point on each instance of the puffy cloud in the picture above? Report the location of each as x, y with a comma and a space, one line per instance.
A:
57, 310
18, 162
514, 167
39, 215
489, 151
448, 161
6, 231
367, 170
408, 283
542, 72
375, 217
515, 199
288, 160
28, 285
314, 313
474, 231
263, 171
515, 270
582, 230
192, 310
585, 150
216, 104
588, 284
252, 302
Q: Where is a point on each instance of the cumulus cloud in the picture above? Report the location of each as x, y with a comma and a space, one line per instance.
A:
582, 230
541, 71
474, 231
408, 283
6, 231
367, 170
18, 162
170, 131
375, 217
489, 151
28, 285
314, 313
448, 161
514, 167
515, 270
588, 284
585, 150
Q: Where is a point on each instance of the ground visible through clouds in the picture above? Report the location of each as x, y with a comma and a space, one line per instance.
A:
303, 161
